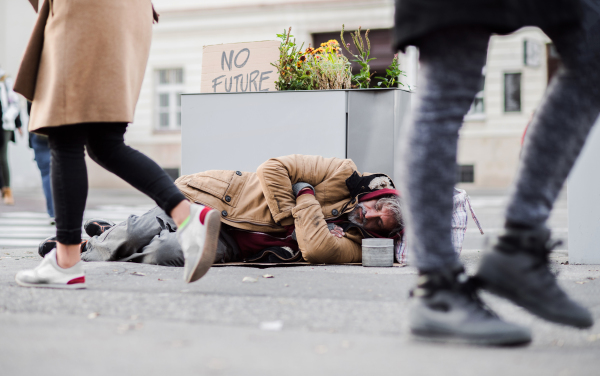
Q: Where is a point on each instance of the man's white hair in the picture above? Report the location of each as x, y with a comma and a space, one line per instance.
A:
394, 205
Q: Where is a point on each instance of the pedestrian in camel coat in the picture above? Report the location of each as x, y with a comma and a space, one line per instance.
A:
88, 68
83, 70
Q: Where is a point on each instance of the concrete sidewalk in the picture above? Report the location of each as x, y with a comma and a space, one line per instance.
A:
321, 320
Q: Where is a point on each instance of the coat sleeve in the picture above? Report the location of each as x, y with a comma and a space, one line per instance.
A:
277, 175
317, 244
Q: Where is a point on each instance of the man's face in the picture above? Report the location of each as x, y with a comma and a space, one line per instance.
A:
372, 218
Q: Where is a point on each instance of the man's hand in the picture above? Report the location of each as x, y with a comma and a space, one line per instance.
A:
335, 230
20, 130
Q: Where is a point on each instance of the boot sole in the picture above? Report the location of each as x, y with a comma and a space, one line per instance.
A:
76, 286
437, 337
209, 249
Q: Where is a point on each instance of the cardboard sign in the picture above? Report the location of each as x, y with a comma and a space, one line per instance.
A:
239, 67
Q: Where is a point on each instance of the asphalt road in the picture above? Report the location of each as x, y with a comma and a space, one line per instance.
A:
316, 320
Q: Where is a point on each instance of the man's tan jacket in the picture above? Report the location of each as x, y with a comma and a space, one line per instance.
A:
264, 201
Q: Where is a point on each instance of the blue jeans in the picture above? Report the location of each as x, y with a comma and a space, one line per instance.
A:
41, 151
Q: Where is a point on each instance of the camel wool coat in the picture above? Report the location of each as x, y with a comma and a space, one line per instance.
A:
263, 201
85, 61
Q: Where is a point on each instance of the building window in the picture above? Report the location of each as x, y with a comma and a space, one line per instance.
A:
512, 92
553, 62
478, 106
169, 87
465, 174
477, 109
532, 53
173, 173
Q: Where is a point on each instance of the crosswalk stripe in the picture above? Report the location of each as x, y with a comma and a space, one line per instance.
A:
28, 229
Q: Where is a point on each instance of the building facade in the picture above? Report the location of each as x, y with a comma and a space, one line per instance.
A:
516, 76
516, 73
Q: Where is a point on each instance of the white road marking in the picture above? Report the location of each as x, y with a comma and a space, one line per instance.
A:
28, 229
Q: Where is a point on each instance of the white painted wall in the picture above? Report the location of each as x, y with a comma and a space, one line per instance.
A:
493, 143
583, 196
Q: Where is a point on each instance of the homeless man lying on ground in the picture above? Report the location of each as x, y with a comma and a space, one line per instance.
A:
293, 208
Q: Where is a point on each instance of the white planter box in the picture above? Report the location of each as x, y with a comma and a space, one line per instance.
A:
239, 131
583, 197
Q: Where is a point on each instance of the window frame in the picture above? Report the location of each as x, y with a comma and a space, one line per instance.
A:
477, 110
173, 90
504, 89
463, 170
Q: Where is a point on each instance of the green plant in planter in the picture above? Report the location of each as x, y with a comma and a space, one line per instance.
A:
363, 78
293, 73
392, 74
331, 69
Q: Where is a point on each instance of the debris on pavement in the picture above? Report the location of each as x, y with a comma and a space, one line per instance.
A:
138, 274
250, 279
272, 326
268, 276
127, 327
93, 315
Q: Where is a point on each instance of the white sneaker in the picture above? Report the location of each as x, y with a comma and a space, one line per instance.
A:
49, 274
199, 237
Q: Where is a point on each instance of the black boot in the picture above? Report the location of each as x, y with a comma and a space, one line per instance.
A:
49, 244
445, 307
517, 268
46, 246
96, 227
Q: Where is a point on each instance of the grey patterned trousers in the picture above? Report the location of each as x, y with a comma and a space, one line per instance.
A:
150, 239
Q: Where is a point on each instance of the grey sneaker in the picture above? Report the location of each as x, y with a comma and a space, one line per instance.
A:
199, 238
517, 269
445, 307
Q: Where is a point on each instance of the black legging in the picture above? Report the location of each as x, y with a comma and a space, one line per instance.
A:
105, 145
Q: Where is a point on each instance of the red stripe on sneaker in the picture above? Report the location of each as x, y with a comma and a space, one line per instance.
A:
203, 213
76, 280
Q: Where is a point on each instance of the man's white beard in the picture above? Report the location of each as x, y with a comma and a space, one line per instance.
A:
354, 215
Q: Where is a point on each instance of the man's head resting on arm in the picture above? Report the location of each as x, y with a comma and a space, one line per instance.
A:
379, 209
382, 215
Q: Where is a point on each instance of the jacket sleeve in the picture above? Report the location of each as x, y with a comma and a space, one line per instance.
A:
277, 175
317, 244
